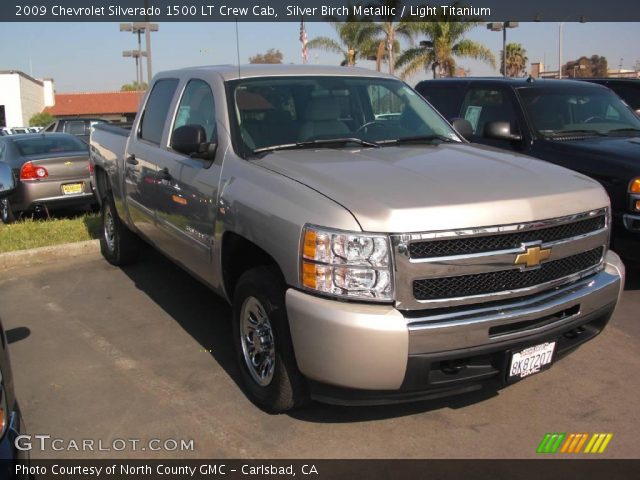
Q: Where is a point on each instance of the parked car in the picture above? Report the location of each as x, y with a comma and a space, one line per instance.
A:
626, 88
81, 127
20, 130
11, 423
52, 171
578, 125
369, 257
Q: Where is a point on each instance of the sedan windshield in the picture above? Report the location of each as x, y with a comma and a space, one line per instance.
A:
580, 111
276, 113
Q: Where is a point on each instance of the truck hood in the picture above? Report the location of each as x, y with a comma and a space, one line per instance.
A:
623, 151
406, 189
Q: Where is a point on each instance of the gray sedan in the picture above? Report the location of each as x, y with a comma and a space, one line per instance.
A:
52, 170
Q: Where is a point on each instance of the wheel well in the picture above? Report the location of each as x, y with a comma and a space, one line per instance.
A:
240, 255
102, 183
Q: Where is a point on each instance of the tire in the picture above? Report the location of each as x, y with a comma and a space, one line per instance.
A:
118, 245
6, 213
259, 302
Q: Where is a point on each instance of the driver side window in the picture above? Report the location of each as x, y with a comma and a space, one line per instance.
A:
484, 105
197, 107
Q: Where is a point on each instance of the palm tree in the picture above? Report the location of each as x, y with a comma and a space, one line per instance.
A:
357, 39
516, 60
390, 31
445, 42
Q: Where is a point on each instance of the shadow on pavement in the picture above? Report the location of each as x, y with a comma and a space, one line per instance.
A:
207, 318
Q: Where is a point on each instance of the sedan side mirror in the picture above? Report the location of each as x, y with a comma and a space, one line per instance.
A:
463, 127
500, 131
192, 140
7, 180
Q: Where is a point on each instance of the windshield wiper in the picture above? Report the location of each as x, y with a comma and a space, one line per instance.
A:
418, 138
625, 130
566, 133
317, 143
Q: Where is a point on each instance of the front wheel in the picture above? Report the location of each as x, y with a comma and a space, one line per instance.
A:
6, 212
119, 245
263, 342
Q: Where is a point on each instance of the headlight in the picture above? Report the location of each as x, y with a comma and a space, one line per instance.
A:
346, 264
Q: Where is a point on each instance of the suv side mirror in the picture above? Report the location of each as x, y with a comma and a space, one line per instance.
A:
500, 131
192, 140
7, 180
462, 126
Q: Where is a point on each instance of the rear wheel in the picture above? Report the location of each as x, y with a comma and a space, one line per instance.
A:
263, 345
119, 245
6, 213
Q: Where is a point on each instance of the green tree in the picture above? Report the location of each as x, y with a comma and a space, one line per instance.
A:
445, 42
516, 60
271, 56
357, 39
390, 32
593, 66
134, 87
41, 119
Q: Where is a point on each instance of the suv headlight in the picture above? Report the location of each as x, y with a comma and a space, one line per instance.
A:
346, 264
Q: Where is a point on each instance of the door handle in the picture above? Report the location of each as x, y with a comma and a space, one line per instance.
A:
131, 160
164, 174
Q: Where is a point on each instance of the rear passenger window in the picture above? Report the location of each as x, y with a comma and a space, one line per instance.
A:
485, 105
444, 99
197, 108
156, 110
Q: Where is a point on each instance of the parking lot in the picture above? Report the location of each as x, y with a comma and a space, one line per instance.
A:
144, 353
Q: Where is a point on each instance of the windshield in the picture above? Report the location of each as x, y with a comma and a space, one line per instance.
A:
301, 111
596, 111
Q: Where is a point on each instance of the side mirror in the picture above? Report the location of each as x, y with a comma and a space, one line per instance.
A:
7, 180
463, 127
500, 131
192, 140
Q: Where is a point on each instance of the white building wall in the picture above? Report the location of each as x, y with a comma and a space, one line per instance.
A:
32, 95
49, 93
10, 98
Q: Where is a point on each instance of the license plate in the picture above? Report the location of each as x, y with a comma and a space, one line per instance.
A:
531, 360
72, 188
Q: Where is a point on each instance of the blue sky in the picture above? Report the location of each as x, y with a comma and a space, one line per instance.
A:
88, 56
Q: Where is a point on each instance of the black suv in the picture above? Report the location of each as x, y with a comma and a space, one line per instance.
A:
627, 89
578, 125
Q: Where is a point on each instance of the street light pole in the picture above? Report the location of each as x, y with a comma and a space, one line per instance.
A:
582, 19
496, 27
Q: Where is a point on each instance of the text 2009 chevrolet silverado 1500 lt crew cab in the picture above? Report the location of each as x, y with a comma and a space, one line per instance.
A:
370, 254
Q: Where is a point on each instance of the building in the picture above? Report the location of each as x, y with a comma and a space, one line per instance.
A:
113, 106
22, 96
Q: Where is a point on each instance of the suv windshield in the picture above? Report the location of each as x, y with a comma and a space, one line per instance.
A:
588, 111
297, 112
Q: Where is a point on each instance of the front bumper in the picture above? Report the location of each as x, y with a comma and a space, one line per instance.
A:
357, 353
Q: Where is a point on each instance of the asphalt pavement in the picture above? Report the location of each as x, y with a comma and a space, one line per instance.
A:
102, 353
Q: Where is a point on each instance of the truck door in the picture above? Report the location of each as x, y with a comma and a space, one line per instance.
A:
190, 185
141, 182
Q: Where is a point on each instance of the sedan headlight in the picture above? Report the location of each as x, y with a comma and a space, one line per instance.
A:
346, 264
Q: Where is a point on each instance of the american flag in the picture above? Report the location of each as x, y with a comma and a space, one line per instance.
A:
303, 41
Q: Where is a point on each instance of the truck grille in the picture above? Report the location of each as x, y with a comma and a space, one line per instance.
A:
470, 245
491, 282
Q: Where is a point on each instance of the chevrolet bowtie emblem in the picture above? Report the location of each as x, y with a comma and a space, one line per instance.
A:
68, 164
534, 257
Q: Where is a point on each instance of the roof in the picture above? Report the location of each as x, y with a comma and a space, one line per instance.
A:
514, 82
230, 72
95, 103
21, 74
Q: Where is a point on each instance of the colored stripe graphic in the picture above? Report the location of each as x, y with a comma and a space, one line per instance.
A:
551, 442
573, 442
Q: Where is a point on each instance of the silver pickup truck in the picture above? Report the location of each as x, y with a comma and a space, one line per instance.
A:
370, 254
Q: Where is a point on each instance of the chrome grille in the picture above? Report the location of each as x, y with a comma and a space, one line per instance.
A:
476, 265
470, 245
483, 283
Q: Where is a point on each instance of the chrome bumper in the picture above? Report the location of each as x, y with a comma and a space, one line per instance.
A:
367, 347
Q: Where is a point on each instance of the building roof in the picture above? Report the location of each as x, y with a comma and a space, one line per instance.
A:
23, 75
95, 103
